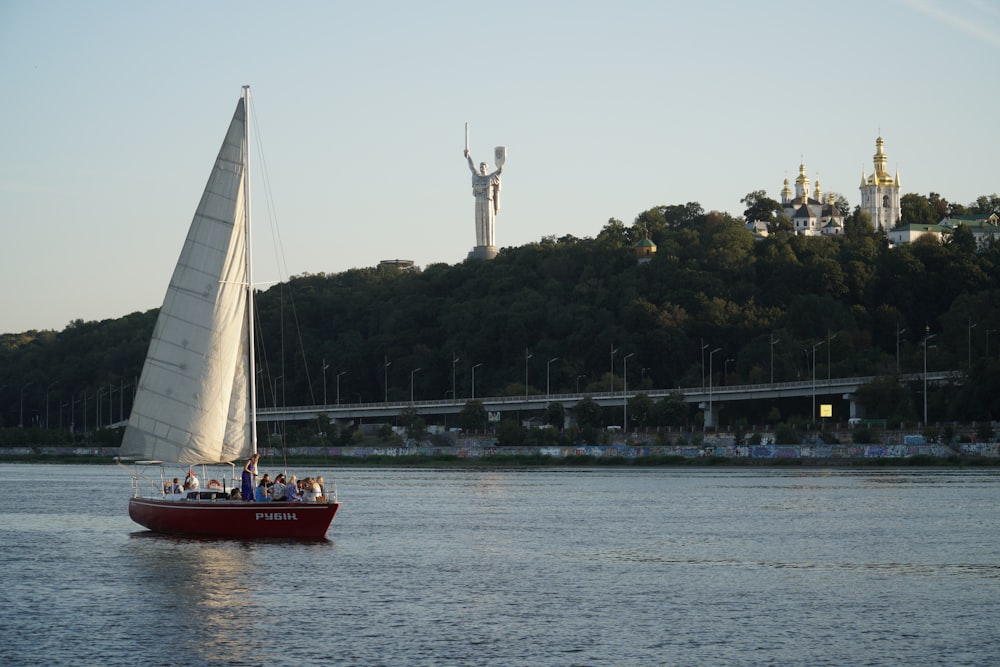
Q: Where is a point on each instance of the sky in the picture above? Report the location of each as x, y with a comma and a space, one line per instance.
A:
112, 112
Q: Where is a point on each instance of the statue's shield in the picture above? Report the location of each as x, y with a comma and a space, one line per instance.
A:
500, 155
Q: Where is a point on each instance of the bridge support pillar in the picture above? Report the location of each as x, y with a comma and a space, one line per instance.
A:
710, 413
857, 409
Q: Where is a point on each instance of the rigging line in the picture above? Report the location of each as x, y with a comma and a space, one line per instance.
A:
272, 213
279, 248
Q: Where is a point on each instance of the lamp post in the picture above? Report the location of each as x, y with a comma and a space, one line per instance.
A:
711, 414
898, 331
813, 414
578, 378
829, 371
97, 409
411, 384
473, 397
971, 327
774, 341
527, 355
613, 350
385, 378
704, 346
725, 372
547, 367
338, 385
454, 361
625, 392
47, 402
111, 404
325, 366
927, 336
274, 397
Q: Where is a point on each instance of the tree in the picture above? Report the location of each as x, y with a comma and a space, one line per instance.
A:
415, 425
885, 397
473, 416
986, 205
917, 210
962, 239
614, 234
858, 224
674, 410
555, 415
510, 433
760, 207
640, 410
588, 413
781, 224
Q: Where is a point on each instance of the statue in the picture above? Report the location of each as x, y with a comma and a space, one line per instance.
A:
486, 190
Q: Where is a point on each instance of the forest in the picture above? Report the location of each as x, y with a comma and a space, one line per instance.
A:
562, 314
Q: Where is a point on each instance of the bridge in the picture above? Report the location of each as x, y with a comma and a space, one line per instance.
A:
704, 397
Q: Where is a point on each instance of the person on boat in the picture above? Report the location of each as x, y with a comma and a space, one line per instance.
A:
278, 488
191, 482
321, 486
263, 492
175, 486
293, 492
249, 473
309, 492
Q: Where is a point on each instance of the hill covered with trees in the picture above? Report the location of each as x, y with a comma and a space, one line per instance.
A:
561, 314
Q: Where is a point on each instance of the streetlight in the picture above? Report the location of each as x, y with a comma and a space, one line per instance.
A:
927, 336
385, 377
547, 367
454, 360
813, 414
711, 416
829, 375
774, 341
625, 392
578, 378
411, 383
97, 409
527, 355
971, 327
338, 385
704, 346
474, 381
725, 372
898, 331
325, 366
613, 350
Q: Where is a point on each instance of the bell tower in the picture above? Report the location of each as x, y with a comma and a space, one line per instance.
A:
880, 192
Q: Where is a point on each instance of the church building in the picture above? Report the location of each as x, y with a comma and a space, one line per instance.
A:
880, 192
811, 216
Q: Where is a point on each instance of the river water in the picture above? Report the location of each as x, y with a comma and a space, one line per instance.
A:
541, 567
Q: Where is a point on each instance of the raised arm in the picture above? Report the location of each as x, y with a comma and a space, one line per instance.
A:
472, 167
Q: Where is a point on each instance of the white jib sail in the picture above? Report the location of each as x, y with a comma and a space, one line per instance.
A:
192, 403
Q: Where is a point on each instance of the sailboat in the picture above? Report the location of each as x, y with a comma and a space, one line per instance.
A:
195, 404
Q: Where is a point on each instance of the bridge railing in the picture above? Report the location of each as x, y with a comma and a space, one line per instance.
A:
537, 401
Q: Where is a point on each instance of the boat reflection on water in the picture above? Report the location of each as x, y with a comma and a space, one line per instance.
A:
198, 594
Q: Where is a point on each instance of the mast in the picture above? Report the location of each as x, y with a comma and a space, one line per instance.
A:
249, 253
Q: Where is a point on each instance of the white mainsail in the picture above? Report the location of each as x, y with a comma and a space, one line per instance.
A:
192, 405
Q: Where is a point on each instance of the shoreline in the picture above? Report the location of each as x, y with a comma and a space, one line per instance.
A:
536, 460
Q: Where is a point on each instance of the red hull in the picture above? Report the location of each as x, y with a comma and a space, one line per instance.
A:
233, 518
